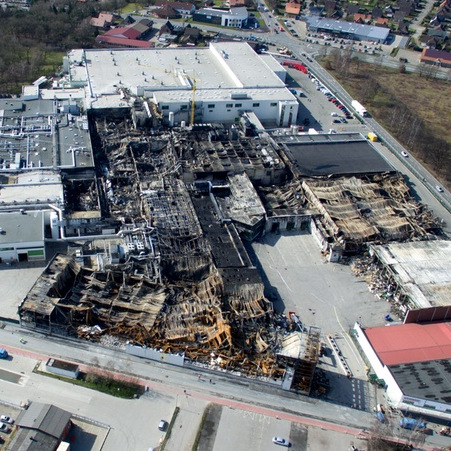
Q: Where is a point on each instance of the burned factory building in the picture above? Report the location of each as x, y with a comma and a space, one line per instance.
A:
159, 214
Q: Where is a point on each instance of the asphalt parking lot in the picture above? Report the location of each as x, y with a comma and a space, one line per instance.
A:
315, 110
253, 431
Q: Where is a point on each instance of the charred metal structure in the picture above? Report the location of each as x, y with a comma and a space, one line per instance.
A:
163, 262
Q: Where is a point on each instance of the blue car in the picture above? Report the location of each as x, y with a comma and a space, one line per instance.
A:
3, 353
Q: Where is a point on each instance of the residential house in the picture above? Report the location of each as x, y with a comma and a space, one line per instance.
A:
293, 7
388, 12
132, 36
437, 57
167, 28
403, 27
352, 8
376, 13
435, 37
406, 6
330, 6
444, 11
360, 18
173, 10
104, 20
382, 21
190, 36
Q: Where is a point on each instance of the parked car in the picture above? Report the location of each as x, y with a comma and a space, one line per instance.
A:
163, 425
280, 441
4, 427
6, 419
3, 353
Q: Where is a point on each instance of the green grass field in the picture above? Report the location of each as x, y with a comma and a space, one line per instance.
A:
53, 61
130, 7
425, 97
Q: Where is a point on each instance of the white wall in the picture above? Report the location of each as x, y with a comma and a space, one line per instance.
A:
155, 354
228, 110
21, 248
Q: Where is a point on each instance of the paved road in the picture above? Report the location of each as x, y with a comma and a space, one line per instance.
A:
167, 385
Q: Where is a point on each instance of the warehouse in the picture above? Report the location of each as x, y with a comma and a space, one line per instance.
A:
348, 30
413, 362
189, 85
419, 271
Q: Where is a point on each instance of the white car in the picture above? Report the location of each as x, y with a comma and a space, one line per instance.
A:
439, 188
404, 154
4, 427
280, 441
6, 419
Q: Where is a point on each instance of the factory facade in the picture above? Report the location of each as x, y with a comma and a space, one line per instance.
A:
188, 85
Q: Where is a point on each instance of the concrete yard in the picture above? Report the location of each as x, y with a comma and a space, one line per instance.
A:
323, 294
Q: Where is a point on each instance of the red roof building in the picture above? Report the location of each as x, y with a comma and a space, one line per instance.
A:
123, 33
293, 7
412, 361
438, 57
104, 20
112, 41
411, 343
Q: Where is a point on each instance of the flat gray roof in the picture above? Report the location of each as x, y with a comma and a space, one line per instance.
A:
421, 268
28, 139
21, 228
219, 71
34, 187
370, 32
426, 380
45, 418
322, 156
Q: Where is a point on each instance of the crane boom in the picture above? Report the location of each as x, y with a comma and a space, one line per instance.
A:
193, 105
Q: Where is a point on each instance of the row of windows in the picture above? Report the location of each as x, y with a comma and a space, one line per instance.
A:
228, 105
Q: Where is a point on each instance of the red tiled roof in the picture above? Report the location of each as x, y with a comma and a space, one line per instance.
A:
123, 32
122, 41
292, 7
410, 343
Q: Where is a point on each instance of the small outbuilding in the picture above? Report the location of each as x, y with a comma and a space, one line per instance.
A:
61, 368
41, 426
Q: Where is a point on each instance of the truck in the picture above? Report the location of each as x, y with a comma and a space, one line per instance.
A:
373, 138
360, 109
298, 66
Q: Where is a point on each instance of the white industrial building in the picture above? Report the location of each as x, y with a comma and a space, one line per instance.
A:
413, 362
22, 236
232, 18
222, 81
